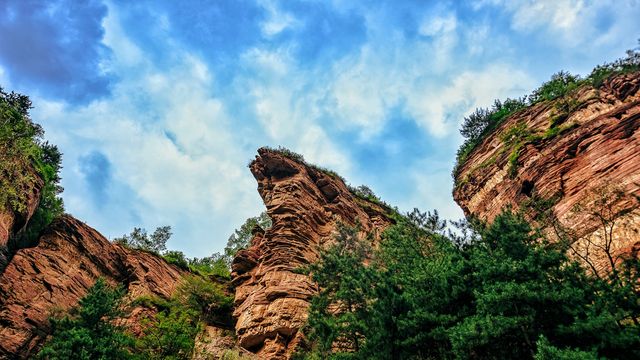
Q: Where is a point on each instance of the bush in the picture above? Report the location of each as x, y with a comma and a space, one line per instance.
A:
628, 64
241, 238
203, 296
176, 258
483, 122
216, 264
560, 85
91, 332
23, 151
169, 335
139, 239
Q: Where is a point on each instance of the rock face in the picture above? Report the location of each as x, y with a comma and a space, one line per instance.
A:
582, 155
11, 222
304, 204
53, 275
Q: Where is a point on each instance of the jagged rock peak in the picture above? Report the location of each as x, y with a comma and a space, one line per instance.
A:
305, 204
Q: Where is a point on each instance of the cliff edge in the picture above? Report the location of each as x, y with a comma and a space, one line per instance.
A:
576, 157
305, 203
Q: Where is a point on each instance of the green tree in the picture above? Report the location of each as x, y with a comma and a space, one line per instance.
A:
523, 287
139, 239
169, 335
24, 157
241, 237
501, 291
92, 332
215, 264
177, 258
425, 275
202, 296
339, 313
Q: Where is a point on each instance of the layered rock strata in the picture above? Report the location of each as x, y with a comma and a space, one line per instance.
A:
305, 205
53, 275
580, 154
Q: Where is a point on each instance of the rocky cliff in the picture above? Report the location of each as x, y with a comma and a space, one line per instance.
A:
55, 273
578, 156
13, 222
304, 203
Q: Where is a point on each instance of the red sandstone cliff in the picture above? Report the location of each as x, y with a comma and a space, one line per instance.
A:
58, 271
304, 204
591, 165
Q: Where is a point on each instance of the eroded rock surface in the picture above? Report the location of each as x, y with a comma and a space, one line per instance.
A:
597, 147
12, 222
53, 275
305, 204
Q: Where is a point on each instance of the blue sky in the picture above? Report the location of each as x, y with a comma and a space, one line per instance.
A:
159, 105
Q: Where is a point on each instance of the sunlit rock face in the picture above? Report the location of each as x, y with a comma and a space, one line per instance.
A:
54, 274
305, 204
591, 166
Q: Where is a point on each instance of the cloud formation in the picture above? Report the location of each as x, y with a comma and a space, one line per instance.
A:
159, 105
55, 47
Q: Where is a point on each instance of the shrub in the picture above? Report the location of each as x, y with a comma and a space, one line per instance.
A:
169, 335
241, 237
91, 333
216, 264
22, 150
202, 296
628, 64
560, 85
482, 122
139, 239
176, 258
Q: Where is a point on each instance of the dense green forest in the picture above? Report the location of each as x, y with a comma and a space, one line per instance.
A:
499, 291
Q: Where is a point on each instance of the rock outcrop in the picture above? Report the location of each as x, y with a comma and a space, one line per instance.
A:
13, 222
579, 153
53, 275
305, 204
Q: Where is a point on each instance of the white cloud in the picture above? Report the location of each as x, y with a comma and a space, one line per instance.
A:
190, 181
560, 15
572, 23
178, 143
277, 20
438, 25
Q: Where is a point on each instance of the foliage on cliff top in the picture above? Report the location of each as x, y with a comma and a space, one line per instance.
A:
299, 158
362, 192
484, 121
24, 155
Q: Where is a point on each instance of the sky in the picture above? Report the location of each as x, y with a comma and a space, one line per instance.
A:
158, 106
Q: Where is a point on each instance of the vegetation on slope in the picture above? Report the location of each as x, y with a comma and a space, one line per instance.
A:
96, 330
484, 121
23, 156
496, 292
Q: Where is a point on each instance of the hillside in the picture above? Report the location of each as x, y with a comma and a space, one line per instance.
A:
573, 160
341, 274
